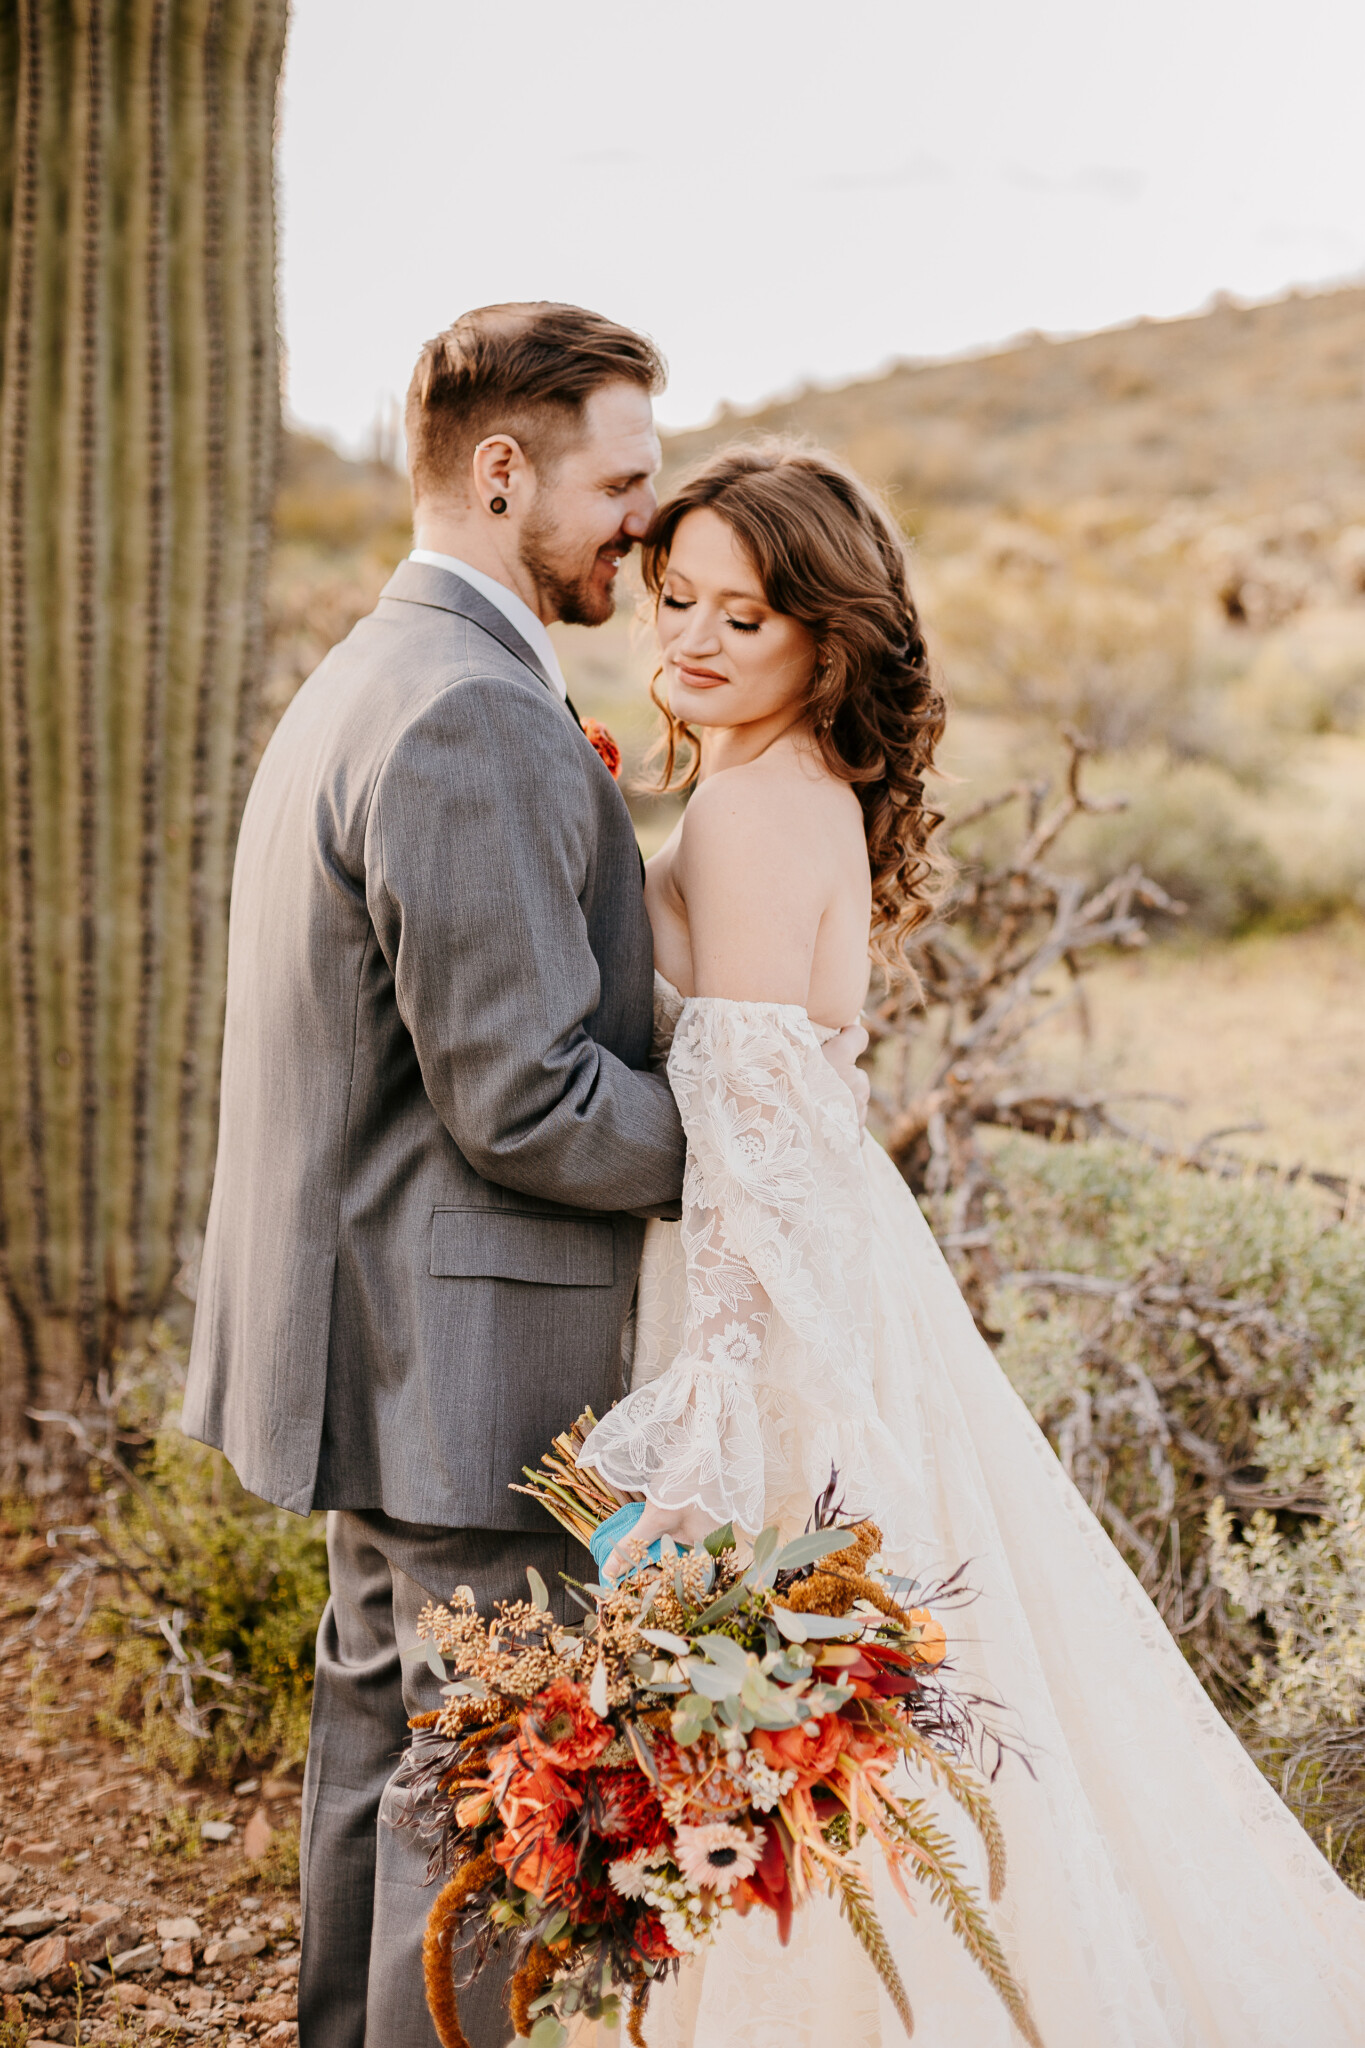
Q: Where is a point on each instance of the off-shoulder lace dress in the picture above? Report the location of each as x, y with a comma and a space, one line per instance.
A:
801, 1315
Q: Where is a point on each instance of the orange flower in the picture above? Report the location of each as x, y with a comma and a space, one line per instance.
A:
539, 1865
809, 1750
560, 1728
535, 1801
473, 1808
932, 1646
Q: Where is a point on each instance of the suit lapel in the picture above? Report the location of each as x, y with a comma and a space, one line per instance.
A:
420, 583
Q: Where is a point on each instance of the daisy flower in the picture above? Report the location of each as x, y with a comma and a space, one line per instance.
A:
716, 1855
630, 1874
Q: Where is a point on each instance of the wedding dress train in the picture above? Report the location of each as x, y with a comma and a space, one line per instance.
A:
1159, 1894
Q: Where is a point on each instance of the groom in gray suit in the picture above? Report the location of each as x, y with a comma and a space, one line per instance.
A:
438, 1138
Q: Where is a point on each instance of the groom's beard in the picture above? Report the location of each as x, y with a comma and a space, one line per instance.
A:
578, 598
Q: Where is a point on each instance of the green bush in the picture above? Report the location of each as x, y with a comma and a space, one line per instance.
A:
1192, 1346
1307, 1582
250, 1582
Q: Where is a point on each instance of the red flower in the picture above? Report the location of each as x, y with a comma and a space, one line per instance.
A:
560, 1728
650, 1940
598, 737
625, 1809
534, 1801
768, 1884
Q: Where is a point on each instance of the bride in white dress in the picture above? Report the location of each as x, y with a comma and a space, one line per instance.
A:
801, 1316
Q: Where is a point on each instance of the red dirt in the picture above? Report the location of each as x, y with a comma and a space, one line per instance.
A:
88, 1832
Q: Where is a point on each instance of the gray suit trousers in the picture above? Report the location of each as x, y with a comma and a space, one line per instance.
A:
365, 1895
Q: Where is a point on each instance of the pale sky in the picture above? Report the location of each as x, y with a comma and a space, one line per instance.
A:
784, 190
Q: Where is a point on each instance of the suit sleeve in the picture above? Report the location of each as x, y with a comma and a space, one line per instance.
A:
477, 851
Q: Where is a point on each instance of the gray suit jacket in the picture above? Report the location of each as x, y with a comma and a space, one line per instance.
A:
437, 1139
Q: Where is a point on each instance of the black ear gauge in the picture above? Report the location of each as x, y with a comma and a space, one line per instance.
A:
497, 505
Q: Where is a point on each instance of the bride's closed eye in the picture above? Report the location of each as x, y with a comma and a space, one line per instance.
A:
685, 604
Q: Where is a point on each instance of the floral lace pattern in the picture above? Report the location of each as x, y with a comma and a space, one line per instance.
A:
1160, 1894
770, 1382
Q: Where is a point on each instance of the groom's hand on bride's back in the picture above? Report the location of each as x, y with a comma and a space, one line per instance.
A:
843, 1054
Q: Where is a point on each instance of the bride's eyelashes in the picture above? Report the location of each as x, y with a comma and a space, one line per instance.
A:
681, 604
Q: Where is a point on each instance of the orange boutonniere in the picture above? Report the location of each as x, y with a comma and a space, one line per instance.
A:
601, 739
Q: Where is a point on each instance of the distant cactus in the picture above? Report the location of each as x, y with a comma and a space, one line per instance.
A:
138, 426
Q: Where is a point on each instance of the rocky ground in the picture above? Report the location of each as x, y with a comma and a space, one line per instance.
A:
133, 1908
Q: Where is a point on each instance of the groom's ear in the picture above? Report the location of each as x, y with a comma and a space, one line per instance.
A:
502, 477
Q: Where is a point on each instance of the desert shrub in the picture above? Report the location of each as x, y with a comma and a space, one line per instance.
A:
214, 1656
1191, 1345
1305, 1579
1026, 628
1184, 827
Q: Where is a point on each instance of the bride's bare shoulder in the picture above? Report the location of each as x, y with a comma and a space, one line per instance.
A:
781, 807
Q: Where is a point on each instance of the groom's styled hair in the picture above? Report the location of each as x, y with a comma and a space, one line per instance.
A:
526, 370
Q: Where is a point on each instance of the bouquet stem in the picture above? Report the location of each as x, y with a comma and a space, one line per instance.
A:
579, 1501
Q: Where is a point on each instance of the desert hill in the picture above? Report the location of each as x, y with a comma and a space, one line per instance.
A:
1259, 403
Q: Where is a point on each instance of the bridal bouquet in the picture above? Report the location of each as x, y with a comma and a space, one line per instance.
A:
718, 1735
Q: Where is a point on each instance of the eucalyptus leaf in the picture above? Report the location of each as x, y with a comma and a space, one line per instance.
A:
711, 1682
792, 1625
722, 1539
777, 1712
666, 1640
540, 1597
597, 1691
723, 1650
548, 2032
436, 1662
825, 1627
808, 1549
726, 1604
765, 1547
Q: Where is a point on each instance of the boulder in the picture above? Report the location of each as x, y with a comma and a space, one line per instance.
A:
177, 1958
257, 1835
134, 1960
232, 1946
42, 1855
183, 1929
48, 1962
31, 1921
275, 2006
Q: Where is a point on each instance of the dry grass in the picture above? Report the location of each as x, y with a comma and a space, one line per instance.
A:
1263, 1031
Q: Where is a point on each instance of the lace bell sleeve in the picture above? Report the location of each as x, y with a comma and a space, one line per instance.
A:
772, 1331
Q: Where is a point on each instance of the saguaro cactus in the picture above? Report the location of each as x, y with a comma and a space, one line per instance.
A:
138, 427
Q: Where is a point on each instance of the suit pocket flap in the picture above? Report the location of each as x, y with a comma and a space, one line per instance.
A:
498, 1244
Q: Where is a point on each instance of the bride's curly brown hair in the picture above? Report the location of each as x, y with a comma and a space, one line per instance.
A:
827, 553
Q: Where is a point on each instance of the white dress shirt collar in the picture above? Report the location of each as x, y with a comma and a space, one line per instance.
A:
516, 613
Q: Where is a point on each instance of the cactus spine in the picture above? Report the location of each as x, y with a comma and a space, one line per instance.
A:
138, 430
